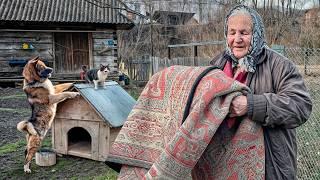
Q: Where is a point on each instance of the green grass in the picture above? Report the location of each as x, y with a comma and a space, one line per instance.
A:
134, 92
108, 175
12, 147
61, 164
46, 143
16, 96
14, 173
18, 110
8, 148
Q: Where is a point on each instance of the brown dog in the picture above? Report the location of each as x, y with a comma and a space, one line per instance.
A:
43, 98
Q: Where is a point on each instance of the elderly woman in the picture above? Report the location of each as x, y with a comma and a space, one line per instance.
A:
279, 99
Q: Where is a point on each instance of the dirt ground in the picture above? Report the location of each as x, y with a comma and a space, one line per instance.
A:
14, 108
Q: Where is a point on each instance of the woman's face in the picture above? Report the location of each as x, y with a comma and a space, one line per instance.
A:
239, 34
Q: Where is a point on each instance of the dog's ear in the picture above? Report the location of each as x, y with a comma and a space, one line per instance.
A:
29, 71
34, 60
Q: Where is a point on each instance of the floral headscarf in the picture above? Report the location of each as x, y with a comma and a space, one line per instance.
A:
248, 62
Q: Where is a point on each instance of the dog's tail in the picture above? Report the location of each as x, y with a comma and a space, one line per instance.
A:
26, 126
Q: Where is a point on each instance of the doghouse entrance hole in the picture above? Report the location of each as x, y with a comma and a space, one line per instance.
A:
79, 141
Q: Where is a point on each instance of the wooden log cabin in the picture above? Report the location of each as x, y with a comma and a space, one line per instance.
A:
66, 34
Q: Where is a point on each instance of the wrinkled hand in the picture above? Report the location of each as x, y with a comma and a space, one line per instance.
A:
239, 106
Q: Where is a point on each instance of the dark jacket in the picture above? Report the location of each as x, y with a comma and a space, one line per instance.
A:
280, 102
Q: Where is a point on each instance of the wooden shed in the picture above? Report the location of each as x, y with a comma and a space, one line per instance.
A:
66, 34
88, 125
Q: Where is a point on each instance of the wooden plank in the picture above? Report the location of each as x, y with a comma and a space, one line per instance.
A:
108, 52
7, 34
82, 149
106, 60
80, 49
109, 59
37, 46
10, 69
4, 64
47, 59
11, 53
93, 129
90, 127
6, 68
99, 47
104, 139
103, 41
9, 79
90, 48
53, 141
102, 35
58, 142
77, 109
71, 51
113, 135
40, 40
65, 76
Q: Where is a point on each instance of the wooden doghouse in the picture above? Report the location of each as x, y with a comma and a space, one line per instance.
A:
88, 125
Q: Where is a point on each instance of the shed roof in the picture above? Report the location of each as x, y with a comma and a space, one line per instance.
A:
112, 103
61, 11
172, 17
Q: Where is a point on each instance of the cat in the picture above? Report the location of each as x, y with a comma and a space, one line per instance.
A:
98, 75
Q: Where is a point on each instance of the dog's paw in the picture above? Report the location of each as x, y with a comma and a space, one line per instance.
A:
75, 94
27, 169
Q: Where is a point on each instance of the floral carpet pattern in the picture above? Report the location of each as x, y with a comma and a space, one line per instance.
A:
155, 142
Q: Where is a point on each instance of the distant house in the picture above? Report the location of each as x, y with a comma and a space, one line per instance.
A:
66, 34
312, 16
168, 21
87, 126
203, 11
172, 17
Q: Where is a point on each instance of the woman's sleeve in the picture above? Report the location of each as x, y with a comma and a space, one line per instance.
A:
289, 107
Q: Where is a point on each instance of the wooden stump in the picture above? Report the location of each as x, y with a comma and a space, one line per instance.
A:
45, 157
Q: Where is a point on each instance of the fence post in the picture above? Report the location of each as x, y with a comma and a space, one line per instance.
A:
150, 67
195, 57
130, 68
305, 60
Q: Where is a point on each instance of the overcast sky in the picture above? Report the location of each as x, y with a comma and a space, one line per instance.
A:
310, 4
302, 4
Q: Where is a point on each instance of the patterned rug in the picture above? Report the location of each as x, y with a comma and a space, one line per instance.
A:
153, 144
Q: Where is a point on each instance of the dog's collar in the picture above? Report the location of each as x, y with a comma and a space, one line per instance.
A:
31, 84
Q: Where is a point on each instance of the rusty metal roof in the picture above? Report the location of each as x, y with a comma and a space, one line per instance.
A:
112, 103
68, 11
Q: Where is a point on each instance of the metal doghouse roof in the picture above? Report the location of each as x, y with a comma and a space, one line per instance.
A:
112, 103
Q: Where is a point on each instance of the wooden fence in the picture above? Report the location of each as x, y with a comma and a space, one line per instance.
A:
141, 69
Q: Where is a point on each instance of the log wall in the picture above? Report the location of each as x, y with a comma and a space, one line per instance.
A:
11, 50
102, 52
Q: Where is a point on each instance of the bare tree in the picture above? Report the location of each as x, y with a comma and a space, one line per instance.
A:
283, 20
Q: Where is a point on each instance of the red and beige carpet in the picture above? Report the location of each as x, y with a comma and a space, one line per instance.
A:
154, 143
